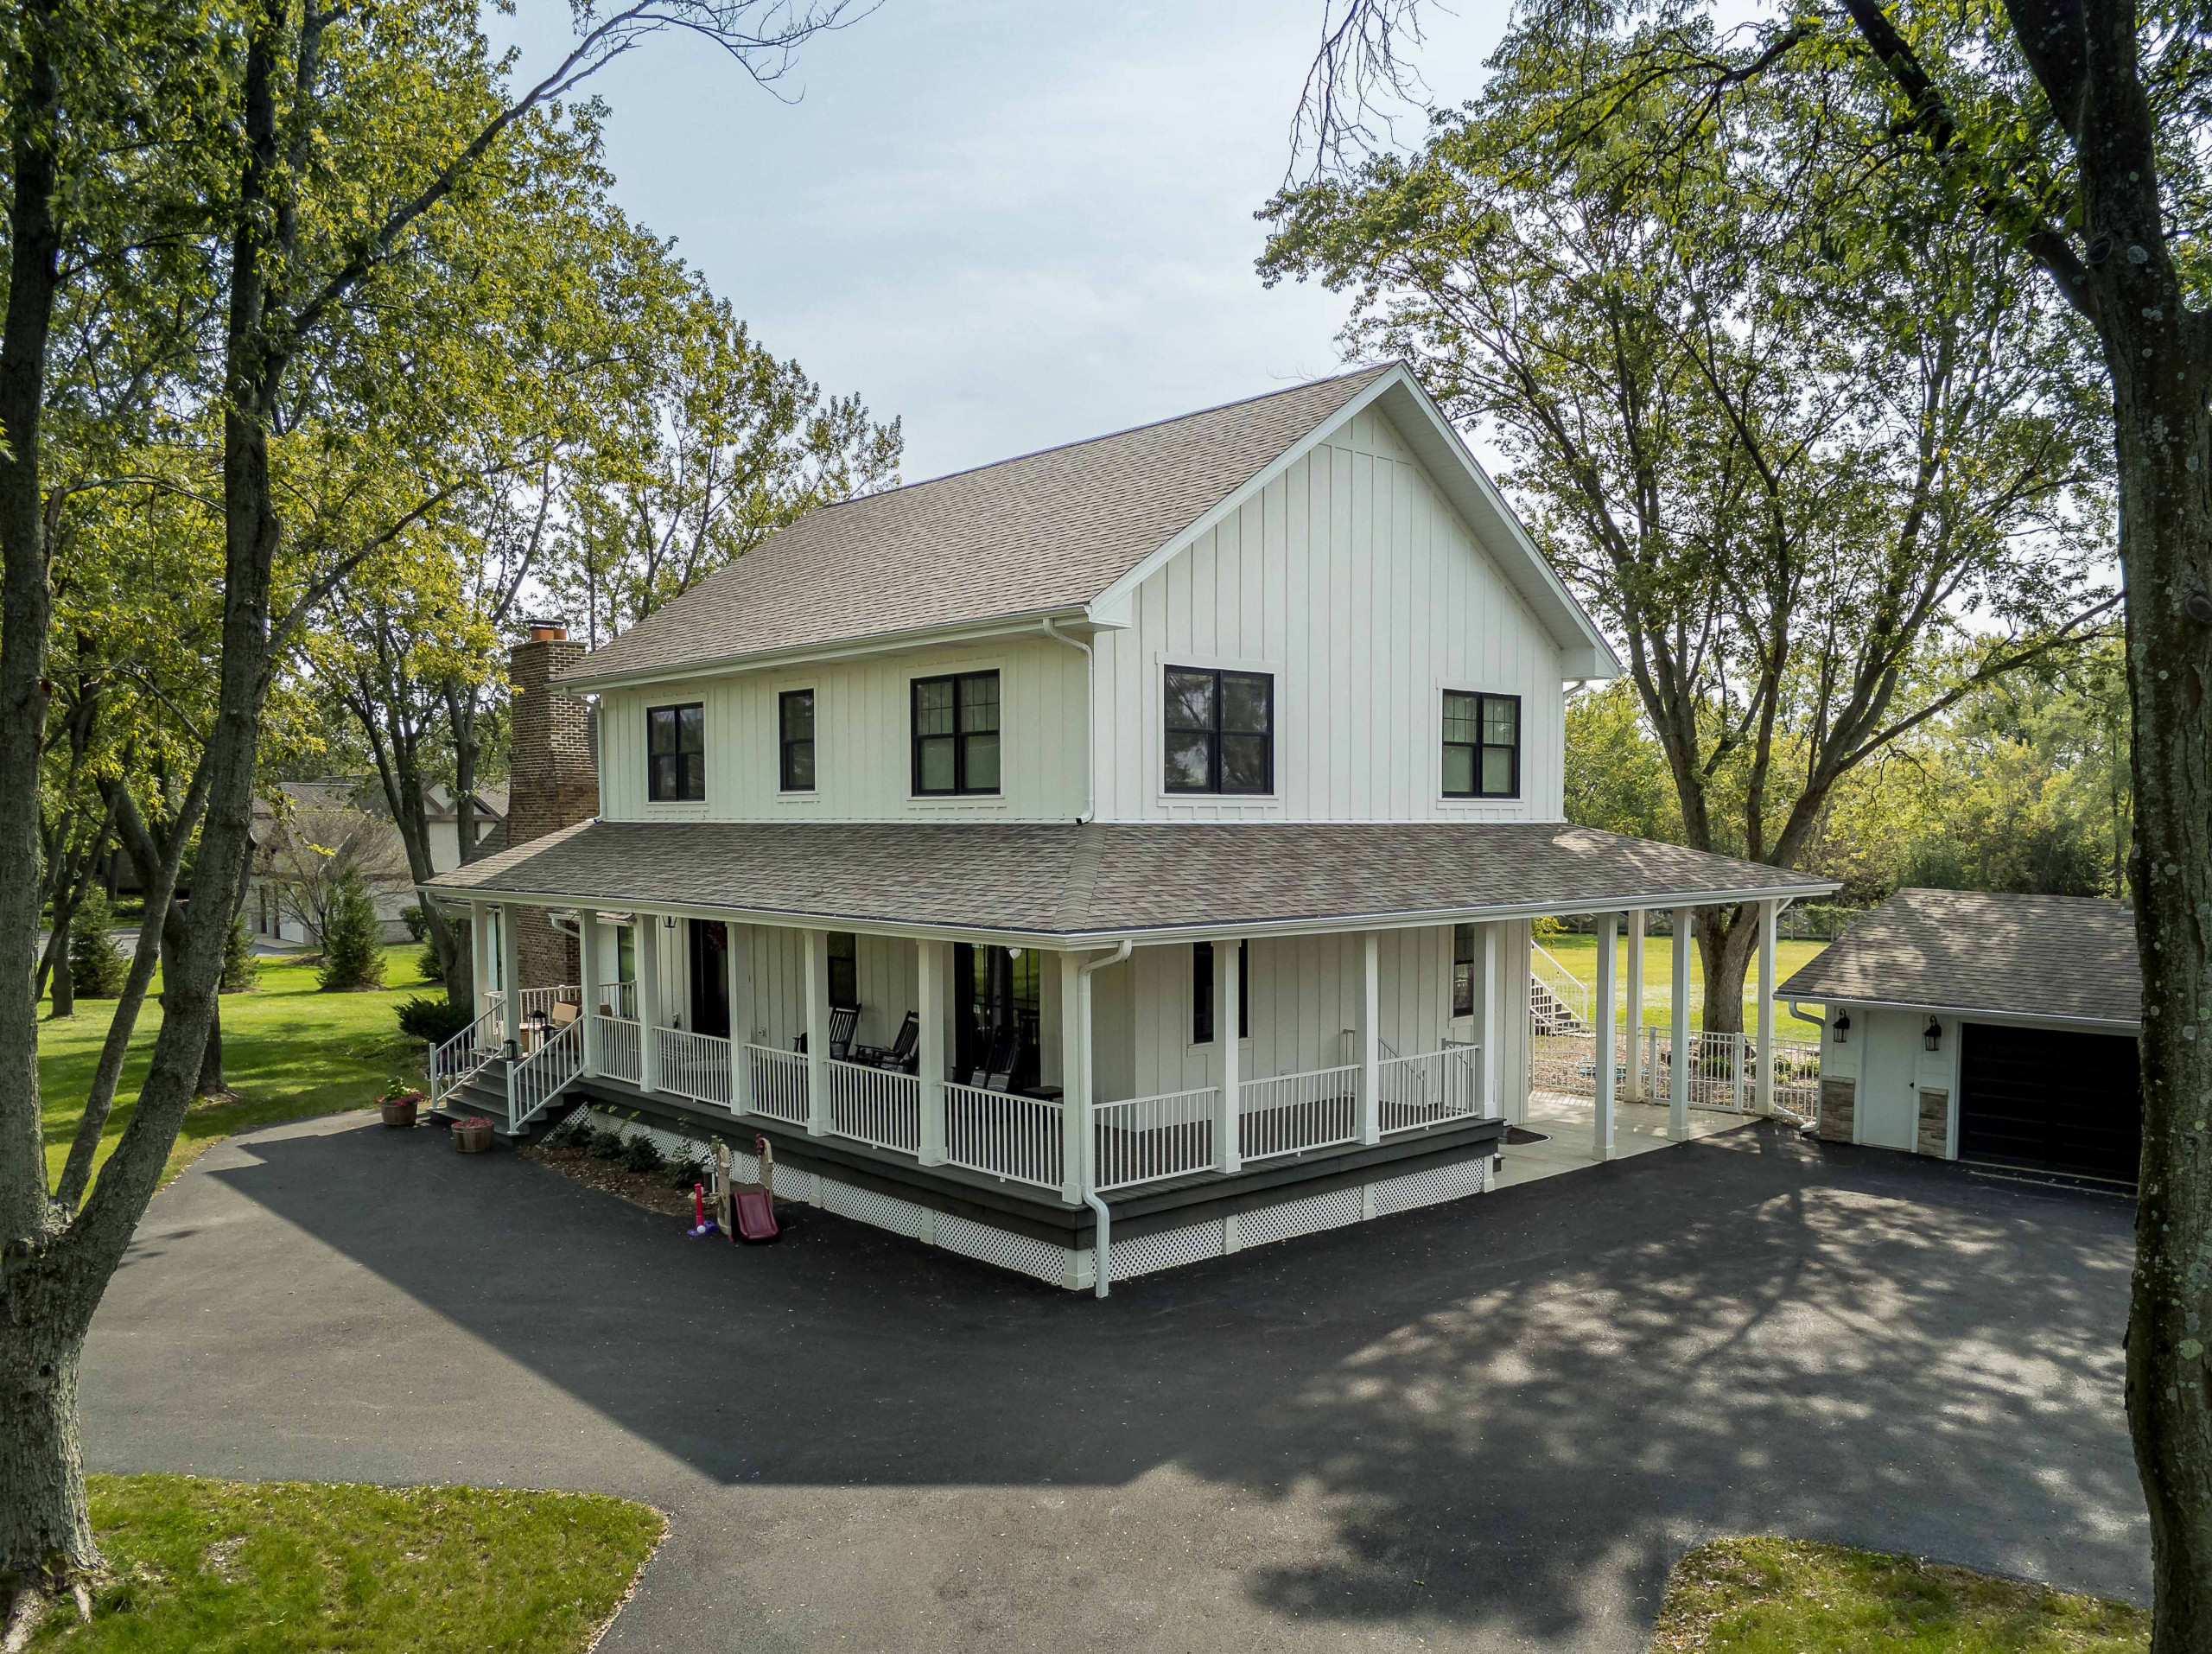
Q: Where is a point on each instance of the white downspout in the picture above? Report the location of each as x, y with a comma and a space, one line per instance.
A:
1803, 1015
1090, 719
1102, 1267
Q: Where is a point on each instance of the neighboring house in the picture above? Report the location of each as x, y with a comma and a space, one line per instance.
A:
349, 818
1979, 1026
1170, 808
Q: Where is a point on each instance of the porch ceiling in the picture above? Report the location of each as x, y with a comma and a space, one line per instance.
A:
1063, 884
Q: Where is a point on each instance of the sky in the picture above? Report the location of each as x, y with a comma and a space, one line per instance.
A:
1014, 224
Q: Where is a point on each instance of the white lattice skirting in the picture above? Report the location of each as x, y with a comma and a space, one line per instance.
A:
1072, 1266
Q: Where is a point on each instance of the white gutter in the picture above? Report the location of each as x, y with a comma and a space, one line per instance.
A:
1991, 1014
1803, 1015
1090, 719
1102, 1241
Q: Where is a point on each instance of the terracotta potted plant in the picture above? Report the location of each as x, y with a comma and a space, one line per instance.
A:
472, 1136
399, 1103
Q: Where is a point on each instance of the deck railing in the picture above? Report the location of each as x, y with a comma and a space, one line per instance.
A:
1151, 1139
875, 1105
620, 1053
1724, 1072
543, 1000
1017, 1138
1290, 1113
779, 1088
696, 1065
538, 1078
1429, 1088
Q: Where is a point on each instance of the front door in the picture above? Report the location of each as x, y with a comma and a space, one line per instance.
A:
997, 999
1888, 1102
709, 979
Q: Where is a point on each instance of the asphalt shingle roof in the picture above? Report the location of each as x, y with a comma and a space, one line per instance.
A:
1048, 531
1975, 951
1104, 879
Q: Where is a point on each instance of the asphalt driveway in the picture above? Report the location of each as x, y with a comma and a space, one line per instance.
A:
1487, 1425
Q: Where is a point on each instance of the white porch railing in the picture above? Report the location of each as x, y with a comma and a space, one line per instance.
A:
541, 1001
1724, 1072
620, 998
466, 1053
1151, 1139
1017, 1138
621, 1056
1293, 1112
875, 1106
779, 1084
1558, 1001
535, 1080
696, 1065
1430, 1088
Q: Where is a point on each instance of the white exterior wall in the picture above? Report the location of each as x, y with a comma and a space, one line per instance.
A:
1353, 582
863, 753
1889, 1063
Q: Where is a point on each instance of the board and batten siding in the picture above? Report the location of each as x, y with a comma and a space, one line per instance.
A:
1352, 581
863, 731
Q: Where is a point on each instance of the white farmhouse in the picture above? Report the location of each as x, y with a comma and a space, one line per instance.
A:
1135, 841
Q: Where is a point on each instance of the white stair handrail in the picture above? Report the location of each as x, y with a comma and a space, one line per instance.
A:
1565, 985
460, 1059
535, 1081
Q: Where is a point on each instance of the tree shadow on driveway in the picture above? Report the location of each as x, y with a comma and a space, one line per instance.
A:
1499, 1419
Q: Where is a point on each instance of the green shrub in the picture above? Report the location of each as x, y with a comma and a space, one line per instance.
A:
687, 1168
436, 1021
642, 1155
352, 942
96, 964
411, 917
606, 1144
241, 971
426, 965
574, 1132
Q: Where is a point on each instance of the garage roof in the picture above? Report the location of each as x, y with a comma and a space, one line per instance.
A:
2062, 958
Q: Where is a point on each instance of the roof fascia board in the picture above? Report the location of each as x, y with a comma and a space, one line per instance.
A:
1979, 1014
1317, 924
881, 643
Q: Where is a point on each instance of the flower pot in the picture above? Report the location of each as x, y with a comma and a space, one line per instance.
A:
472, 1140
400, 1113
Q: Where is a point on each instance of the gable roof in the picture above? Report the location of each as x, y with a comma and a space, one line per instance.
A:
2063, 959
1053, 532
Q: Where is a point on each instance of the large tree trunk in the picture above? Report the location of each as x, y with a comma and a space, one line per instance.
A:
1726, 939
43, 1514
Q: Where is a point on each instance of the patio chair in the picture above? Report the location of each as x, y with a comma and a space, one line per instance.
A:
902, 1055
998, 1068
842, 1018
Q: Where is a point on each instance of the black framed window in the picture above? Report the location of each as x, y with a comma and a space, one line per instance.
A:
795, 740
675, 753
1202, 993
956, 734
1482, 746
1220, 734
844, 968
1463, 970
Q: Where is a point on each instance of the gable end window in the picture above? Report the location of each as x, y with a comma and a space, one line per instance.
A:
675, 753
1220, 734
1202, 993
1482, 746
956, 735
795, 740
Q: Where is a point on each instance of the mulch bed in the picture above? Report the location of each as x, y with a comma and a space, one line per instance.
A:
651, 1190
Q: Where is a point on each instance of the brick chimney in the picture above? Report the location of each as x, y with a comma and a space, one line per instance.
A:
553, 782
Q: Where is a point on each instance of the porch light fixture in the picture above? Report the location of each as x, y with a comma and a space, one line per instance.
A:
507, 1050
668, 921
1841, 1026
1933, 1037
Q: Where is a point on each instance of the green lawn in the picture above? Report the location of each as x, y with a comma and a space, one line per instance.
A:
288, 1051
1784, 1596
302, 1568
1579, 955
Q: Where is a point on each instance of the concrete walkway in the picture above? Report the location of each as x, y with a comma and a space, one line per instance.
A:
1568, 1127
1491, 1425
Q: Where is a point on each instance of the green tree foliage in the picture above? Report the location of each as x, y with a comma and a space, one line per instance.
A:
95, 963
353, 940
241, 970
1616, 775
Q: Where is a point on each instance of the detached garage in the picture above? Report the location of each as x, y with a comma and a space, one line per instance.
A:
1983, 1027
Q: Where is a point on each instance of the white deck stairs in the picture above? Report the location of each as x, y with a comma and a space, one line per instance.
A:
1558, 1002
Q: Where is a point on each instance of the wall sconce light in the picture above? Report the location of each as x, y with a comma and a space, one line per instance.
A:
668, 921
1933, 1037
1841, 1026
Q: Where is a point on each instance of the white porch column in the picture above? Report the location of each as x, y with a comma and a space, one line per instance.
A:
1494, 1021
935, 979
737, 949
1370, 1038
1678, 1067
1636, 1086
1075, 1075
1602, 1019
482, 983
1769, 911
588, 952
509, 975
1228, 1017
645, 941
816, 954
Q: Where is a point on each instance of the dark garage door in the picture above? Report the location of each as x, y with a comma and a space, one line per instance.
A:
2057, 1101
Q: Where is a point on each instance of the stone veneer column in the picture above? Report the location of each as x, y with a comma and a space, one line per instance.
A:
553, 783
1838, 1107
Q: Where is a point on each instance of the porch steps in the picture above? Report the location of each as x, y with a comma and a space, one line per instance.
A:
485, 1093
1548, 1012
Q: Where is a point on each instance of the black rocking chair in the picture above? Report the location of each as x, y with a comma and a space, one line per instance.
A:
843, 1019
903, 1055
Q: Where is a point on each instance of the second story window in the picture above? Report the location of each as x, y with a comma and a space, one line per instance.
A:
794, 738
956, 734
675, 753
1482, 746
1220, 735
